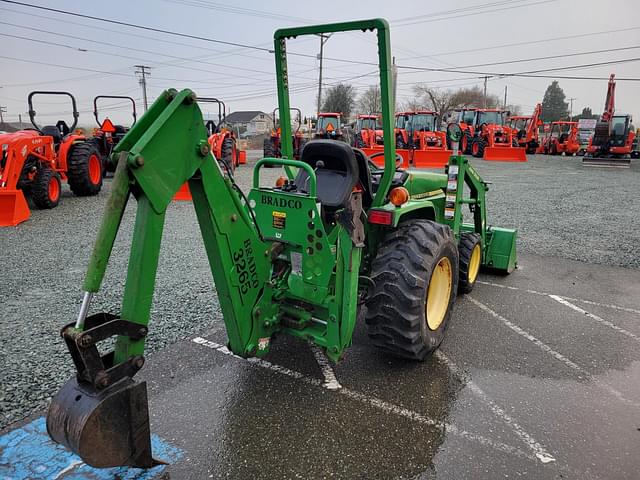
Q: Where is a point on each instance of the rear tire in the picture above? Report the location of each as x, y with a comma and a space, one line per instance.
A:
465, 142
84, 169
410, 266
227, 151
46, 188
470, 252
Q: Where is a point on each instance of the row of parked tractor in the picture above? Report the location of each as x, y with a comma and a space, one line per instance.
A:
35, 161
490, 134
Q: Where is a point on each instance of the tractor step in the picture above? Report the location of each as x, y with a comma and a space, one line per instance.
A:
606, 162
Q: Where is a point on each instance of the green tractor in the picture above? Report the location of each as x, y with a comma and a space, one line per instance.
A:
339, 240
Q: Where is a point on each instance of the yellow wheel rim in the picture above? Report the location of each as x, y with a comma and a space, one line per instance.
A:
439, 293
474, 264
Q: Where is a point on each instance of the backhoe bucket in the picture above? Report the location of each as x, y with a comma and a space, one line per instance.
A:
13, 208
505, 154
105, 428
184, 194
431, 158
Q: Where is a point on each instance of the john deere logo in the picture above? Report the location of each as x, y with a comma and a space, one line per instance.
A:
281, 202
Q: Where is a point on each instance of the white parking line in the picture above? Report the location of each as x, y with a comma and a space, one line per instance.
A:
557, 355
571, 299
373, 402
539, 451
330, 380
598, 319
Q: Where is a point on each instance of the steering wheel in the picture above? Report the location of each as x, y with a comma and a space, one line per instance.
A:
399, 159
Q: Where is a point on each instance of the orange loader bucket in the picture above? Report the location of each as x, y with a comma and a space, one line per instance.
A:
505, 154
184, 194
242, 157
13, 208
431, 158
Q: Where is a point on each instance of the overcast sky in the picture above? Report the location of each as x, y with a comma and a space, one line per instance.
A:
99, 57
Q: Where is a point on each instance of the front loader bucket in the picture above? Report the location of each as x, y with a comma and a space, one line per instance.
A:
184, 194
500, 254
505, 154
105, 428
13, 208
431, 158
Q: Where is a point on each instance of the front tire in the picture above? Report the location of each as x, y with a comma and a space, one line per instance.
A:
477, 147
470, 253
415, 275
46, 188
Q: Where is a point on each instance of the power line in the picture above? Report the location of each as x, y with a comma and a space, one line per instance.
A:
133, 25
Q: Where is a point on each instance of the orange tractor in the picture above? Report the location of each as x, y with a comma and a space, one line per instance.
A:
368, 131
272, 146
562, 138
35, 161
108, 135
526, 129
329, 125
612, 141
419, 140
484, 135
223, 143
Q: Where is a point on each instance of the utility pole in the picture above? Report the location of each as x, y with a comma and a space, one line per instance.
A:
20, 120
571, 108
143, 71
323, 40
485, 92
504, 106
2, 110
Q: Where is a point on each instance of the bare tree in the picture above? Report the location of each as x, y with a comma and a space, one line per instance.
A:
370, 102
444, 101
340, 98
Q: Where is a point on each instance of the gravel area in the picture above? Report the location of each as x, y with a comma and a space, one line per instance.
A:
559, 208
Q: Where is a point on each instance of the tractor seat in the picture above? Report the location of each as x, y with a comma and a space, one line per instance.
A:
52, 131
336, 178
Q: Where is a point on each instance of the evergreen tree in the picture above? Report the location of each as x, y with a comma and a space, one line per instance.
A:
554, 107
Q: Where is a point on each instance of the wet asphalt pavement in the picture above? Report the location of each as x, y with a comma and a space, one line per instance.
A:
538, 375
523, 385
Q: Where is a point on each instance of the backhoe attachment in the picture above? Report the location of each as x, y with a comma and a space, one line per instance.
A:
283, 259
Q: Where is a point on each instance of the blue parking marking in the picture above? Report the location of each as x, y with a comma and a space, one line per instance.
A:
28, 453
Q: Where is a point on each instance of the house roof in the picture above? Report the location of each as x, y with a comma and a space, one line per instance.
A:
9, 127
242, 116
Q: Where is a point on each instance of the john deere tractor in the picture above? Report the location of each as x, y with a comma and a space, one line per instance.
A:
339, 240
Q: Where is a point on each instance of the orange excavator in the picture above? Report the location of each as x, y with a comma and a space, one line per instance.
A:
612, 142
525, 128
562, 138
484, 135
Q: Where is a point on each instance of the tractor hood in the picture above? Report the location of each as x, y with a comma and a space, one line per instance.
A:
422, 183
